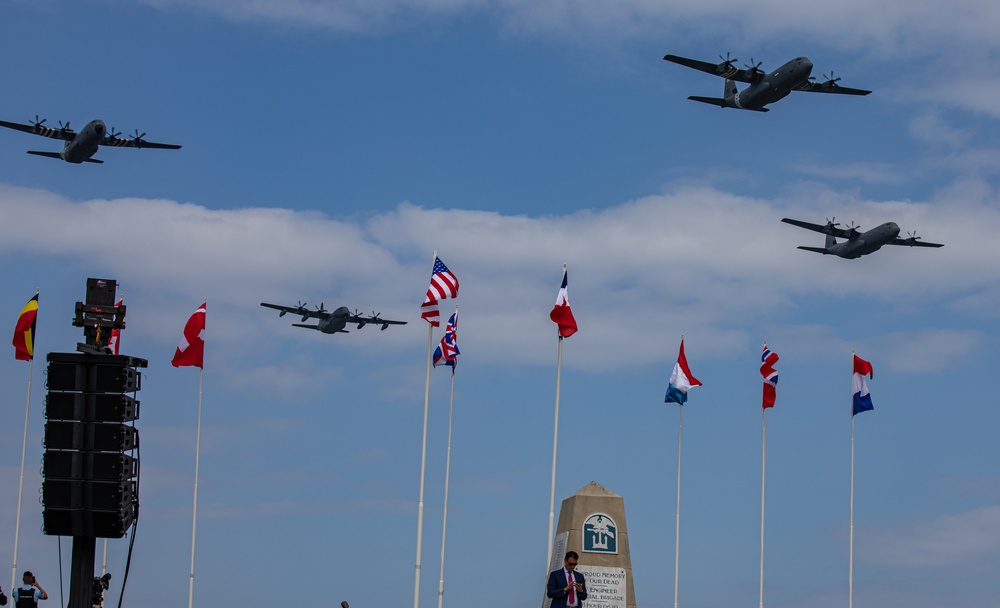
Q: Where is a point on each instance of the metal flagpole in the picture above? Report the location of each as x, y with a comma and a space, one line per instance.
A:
763, 470
447, 475
194, 516
423, 465
850, 561
555, 444
20, 486
677, 529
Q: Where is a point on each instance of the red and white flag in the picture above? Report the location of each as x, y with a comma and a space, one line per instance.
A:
561, 313
443, 285
191, 349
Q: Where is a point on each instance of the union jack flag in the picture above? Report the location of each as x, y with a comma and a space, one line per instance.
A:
447, 351
768, 358
443, 285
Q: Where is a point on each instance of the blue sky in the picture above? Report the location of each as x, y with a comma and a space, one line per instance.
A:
331, 146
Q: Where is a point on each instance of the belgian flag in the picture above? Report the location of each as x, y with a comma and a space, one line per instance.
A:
24, 332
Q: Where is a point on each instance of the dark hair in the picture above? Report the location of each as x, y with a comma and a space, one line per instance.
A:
572, 554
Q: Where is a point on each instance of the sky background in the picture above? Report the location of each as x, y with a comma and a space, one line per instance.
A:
330, 146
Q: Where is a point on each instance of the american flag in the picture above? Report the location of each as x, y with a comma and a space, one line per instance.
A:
447, 351
443, 285
768, 358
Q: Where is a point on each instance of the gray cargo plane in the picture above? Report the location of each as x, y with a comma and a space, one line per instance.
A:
858, 243
80, 147
764, 88
331, 322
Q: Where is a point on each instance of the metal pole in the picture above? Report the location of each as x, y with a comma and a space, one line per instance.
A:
194, 515
423, 467
763, 470
677, 528
447, 476
555, 444
20, 486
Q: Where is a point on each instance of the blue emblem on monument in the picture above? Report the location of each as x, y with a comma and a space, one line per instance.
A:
600, 534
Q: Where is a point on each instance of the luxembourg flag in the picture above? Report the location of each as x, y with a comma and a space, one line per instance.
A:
681, 380
862, 400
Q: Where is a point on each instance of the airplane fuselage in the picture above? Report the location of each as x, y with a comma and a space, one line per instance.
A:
771, 87
336, 321
868, 242
83, 145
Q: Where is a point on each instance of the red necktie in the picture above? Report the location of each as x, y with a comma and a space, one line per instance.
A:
571, 598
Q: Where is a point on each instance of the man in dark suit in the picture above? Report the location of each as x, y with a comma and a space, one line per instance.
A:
566, 586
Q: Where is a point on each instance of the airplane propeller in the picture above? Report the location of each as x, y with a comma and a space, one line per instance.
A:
853, 228
726, 61
830, 80
113, 134
64, 127
37, 123
302, 304
913, 236
137, 138
755, 66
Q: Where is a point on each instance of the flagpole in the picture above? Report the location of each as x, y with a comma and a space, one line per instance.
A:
763, 470
423, 465
677, 528
447, 475
194, 516
555, 444
850, 560
20, 486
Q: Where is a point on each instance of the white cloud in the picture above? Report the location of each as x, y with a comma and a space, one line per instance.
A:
969, 539
694, 260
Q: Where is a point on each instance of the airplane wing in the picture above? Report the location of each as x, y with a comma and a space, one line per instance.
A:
830, 86
725, 69
65, 134
913, 241
135, 142
825, 229
362, 320
301, 311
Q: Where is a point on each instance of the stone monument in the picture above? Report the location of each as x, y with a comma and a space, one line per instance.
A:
592, 523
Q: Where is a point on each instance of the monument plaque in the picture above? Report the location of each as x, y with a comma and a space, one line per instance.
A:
592, 523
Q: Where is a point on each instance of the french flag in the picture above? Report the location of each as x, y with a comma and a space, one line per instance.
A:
681, 380
862, 400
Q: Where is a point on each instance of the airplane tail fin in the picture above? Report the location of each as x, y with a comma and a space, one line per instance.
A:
729, 89
56, 156
830, 241
816, 249
715, 101
48, 154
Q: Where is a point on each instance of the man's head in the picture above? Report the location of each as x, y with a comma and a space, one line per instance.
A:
571, 560
29, 578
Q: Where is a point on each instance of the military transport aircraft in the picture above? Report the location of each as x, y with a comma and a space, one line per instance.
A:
331, 322
80, 147
857, 243
764, 88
